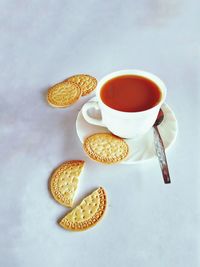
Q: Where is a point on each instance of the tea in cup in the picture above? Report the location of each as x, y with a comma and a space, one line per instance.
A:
129, 101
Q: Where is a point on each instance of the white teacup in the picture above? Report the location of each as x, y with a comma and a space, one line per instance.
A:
125, 124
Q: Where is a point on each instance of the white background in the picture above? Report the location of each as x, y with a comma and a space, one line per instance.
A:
147, 224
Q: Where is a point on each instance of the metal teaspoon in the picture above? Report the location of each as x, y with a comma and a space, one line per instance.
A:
160, 149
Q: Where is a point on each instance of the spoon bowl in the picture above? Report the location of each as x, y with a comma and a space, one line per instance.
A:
160, 118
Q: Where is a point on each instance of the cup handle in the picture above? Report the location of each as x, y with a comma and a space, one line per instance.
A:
86, 107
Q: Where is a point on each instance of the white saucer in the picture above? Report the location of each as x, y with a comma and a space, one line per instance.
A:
141, 149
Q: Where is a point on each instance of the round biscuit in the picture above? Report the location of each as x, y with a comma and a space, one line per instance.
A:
86, 82
63, 94
105, 148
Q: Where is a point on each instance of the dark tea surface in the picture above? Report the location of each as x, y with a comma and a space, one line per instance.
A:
130, 93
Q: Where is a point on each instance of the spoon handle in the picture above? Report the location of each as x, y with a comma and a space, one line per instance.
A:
160, 151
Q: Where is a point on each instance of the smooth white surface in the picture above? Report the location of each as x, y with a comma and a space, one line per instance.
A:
141, 149
148, 224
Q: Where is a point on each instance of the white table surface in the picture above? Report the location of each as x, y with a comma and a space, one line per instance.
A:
147, 224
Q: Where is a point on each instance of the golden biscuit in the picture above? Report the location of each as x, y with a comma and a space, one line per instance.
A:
106, 148
86, 82
63, 94
64, 181
87, 213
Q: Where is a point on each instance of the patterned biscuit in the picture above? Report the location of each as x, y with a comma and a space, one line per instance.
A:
63, 94
106, 148
87, 213
86, 82
64, 181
